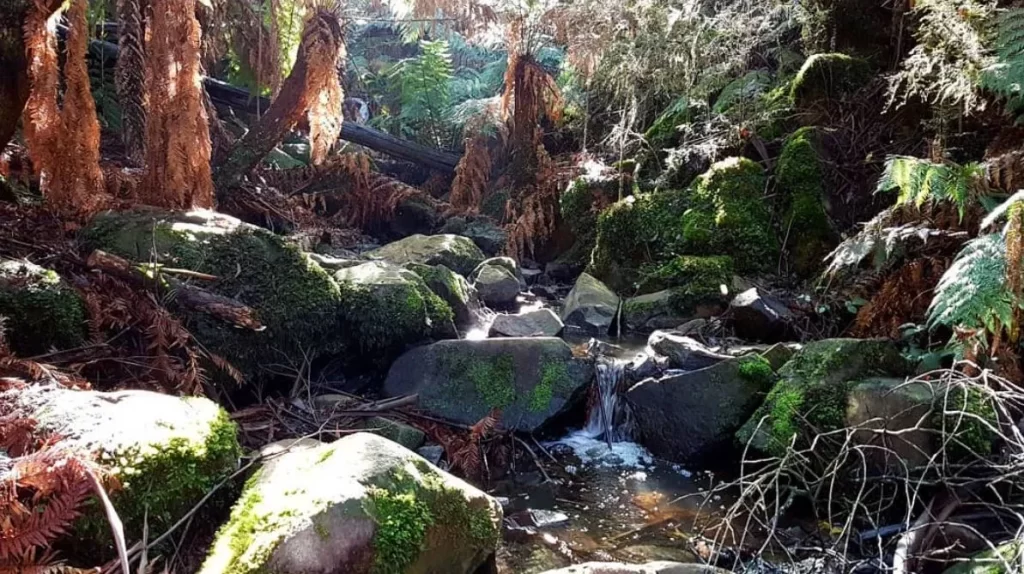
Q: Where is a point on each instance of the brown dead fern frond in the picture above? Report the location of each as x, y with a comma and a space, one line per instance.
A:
63, 141
472, 175
178, 145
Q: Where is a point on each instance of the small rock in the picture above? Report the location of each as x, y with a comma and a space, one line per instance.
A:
333, 402
453, 289
331, 263
497, 285
433, 454
692, 327
455, 252
645, 366
683, 352
778, 354
537, 518
759, 316
590, 306
650, 312
487, 235
539, 323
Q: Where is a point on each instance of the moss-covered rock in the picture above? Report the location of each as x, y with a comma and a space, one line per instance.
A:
40, 311
825, 77
455, 252
812, 393
293, 297
361, 505
165, 452
530, 380
488, 235
800, 181
390, 307
590, 307
452, 288
636, 233
580, 204
729, 216
694, 280
395, 431
1004, 559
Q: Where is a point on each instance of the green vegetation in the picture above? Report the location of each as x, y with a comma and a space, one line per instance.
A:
41, 312
799, 177
828, 76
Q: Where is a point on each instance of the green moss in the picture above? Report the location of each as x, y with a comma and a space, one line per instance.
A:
692, 279
964, 435
160, 483
729, 215
757, 371
811, 395
40, 312
639, 231
402, 522
492, 379
493, 205
293, 297
828, 76
553, 376
800, 181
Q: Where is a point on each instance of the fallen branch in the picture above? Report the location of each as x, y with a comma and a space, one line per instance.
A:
189, 296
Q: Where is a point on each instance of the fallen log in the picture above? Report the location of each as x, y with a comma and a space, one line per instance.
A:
240, 99
188, 296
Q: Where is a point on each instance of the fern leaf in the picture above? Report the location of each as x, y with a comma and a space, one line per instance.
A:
1005, 77
973, 292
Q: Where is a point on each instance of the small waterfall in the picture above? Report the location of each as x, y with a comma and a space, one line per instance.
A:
608, 416
481, 326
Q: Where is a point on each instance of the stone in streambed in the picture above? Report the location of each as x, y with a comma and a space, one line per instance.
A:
539, 323
683, 352
756, 315
359, 505
690, 416
453, 289
591, 306
498, 282
529, 379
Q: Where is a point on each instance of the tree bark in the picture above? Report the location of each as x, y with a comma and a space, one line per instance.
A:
14, 84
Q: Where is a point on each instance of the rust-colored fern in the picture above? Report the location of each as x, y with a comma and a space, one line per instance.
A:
177, 133
471, 175
63, 141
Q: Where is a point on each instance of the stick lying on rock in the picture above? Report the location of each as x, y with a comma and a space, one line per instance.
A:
189, 296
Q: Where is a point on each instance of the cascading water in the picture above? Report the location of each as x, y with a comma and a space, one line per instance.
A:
608, 418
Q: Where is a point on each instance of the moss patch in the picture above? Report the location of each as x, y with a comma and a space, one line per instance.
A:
799, 177
828, 76
811, 395
757, 371
41, 312
965, 436
693, 280
638, 231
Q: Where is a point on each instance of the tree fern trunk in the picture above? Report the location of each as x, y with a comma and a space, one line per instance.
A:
14, 85
130, 79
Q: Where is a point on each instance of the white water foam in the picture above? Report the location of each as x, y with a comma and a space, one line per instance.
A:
596, 452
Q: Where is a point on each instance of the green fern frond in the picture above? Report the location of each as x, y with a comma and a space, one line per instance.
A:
1005, 78
879, 240
919, 181
973, 292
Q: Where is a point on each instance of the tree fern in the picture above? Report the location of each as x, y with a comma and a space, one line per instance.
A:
973, 292
426, 92
920, 181
1005, 78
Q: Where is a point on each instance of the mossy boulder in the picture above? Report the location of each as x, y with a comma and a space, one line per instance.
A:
360, 505
455, 252
530, 379
729, 215
580, 204
387, 307
826, 77
691, 416
812, 394
692, 286
295, 298
636, 233
1007, 558
800, 181
165, 452
40, 312
453, 289
498, 282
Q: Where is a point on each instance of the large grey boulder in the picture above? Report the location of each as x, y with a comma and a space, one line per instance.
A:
359, 505
498, 281
488, 236
649, 568
683, 352
688, 417
529, 379
166, 452
591, 306
539, 323
455, 252
756, 315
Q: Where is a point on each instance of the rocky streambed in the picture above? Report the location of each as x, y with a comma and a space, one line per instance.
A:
617, 420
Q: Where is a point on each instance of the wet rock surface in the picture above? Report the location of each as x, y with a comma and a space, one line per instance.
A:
590, 306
